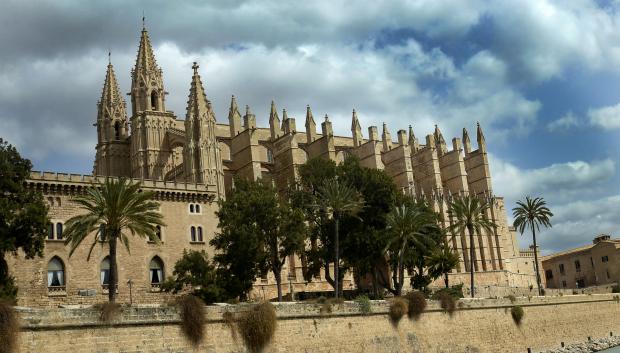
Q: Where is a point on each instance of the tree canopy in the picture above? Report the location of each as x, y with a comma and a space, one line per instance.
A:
23, 214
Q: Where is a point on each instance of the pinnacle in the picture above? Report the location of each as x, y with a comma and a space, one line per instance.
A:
111, 94
146, 59
197, 105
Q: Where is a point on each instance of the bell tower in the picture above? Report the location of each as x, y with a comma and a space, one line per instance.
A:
112, 157
151, 154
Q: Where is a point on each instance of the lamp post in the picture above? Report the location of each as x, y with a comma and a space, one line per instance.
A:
290, 287
129, 283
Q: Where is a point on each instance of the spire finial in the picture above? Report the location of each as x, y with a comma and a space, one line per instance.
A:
326, 117
143, 21
195, 67
109, 57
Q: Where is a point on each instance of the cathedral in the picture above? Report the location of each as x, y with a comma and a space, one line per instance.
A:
190, 164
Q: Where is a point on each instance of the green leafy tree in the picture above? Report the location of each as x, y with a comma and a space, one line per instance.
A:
194, 271
532, 214
441, 261
113, 210
23, 215
468, 213
337, 200
408, 226
258, 231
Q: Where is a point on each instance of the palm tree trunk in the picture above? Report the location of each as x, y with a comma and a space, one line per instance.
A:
113, 279
401, 270
445, 279
536, 260
337, 262
472, 259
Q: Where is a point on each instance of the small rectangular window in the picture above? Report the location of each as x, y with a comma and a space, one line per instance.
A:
562, 269
605, 258
564, 284
607, 272
549, 274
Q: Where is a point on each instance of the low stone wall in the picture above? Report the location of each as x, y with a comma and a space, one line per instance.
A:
478, 325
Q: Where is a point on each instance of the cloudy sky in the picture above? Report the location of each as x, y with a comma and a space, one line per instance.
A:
542, 77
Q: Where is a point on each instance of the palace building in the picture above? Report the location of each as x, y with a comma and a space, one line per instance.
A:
190, 164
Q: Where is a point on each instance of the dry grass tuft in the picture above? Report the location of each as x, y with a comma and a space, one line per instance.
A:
192, 318
9, 328
447, 302
230, 320
417, 304
398, 308
517, 314
108, 312
257, 326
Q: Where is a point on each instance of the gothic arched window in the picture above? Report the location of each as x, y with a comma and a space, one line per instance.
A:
117, 131
200, 234
55, 273
193, 234
156, 271
105, 271
154, 100
58, 231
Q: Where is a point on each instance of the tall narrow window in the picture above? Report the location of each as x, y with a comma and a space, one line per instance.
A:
55, 273
197, 208
191, 208
158, 232
101, 232
59, 231
200, 234
117, 131
105, 271
193, 234
269, 156
154, 100
50, 231
156, 271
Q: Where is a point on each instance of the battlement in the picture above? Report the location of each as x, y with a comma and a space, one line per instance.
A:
84, 179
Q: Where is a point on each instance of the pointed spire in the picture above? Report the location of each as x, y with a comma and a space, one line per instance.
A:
146, 59
482, 145
274, 122
111, 95
197, 104
466, 142
249, 119
440, 141
234, 118
413, 141
310, 126
288, 124
356, 130
326, 127
387, 139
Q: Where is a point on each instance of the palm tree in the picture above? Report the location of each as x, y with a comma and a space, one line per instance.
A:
408, 227
441, 261
532, 214
469, 213
337, 200
112, 209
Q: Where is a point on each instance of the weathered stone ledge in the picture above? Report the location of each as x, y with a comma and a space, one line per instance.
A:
596, 345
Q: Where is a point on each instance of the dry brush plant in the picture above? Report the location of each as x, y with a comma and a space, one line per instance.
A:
108, 311
416, 304
517, 314
192, 318
399, 307
447, 303
9, 328
257, 326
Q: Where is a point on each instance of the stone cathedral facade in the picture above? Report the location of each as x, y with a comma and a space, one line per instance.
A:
191, 163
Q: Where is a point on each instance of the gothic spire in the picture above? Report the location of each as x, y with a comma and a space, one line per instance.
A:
466, 142
234, 117
111, 97
147, 84
274, 122
356, 130
197, 105
310, 126
145, 60
482, 145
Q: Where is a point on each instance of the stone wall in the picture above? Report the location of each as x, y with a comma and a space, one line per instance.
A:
478, 325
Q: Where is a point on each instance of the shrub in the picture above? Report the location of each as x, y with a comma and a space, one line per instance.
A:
257, 326
517, 314
615, 288
447, 302
364, 303
455, 292
8, 290
511, 297
416, 304
108, 312
398, 308
326, 308
9, 328
192, 318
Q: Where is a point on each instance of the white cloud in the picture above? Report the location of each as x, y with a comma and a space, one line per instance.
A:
566, 122
605, 117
